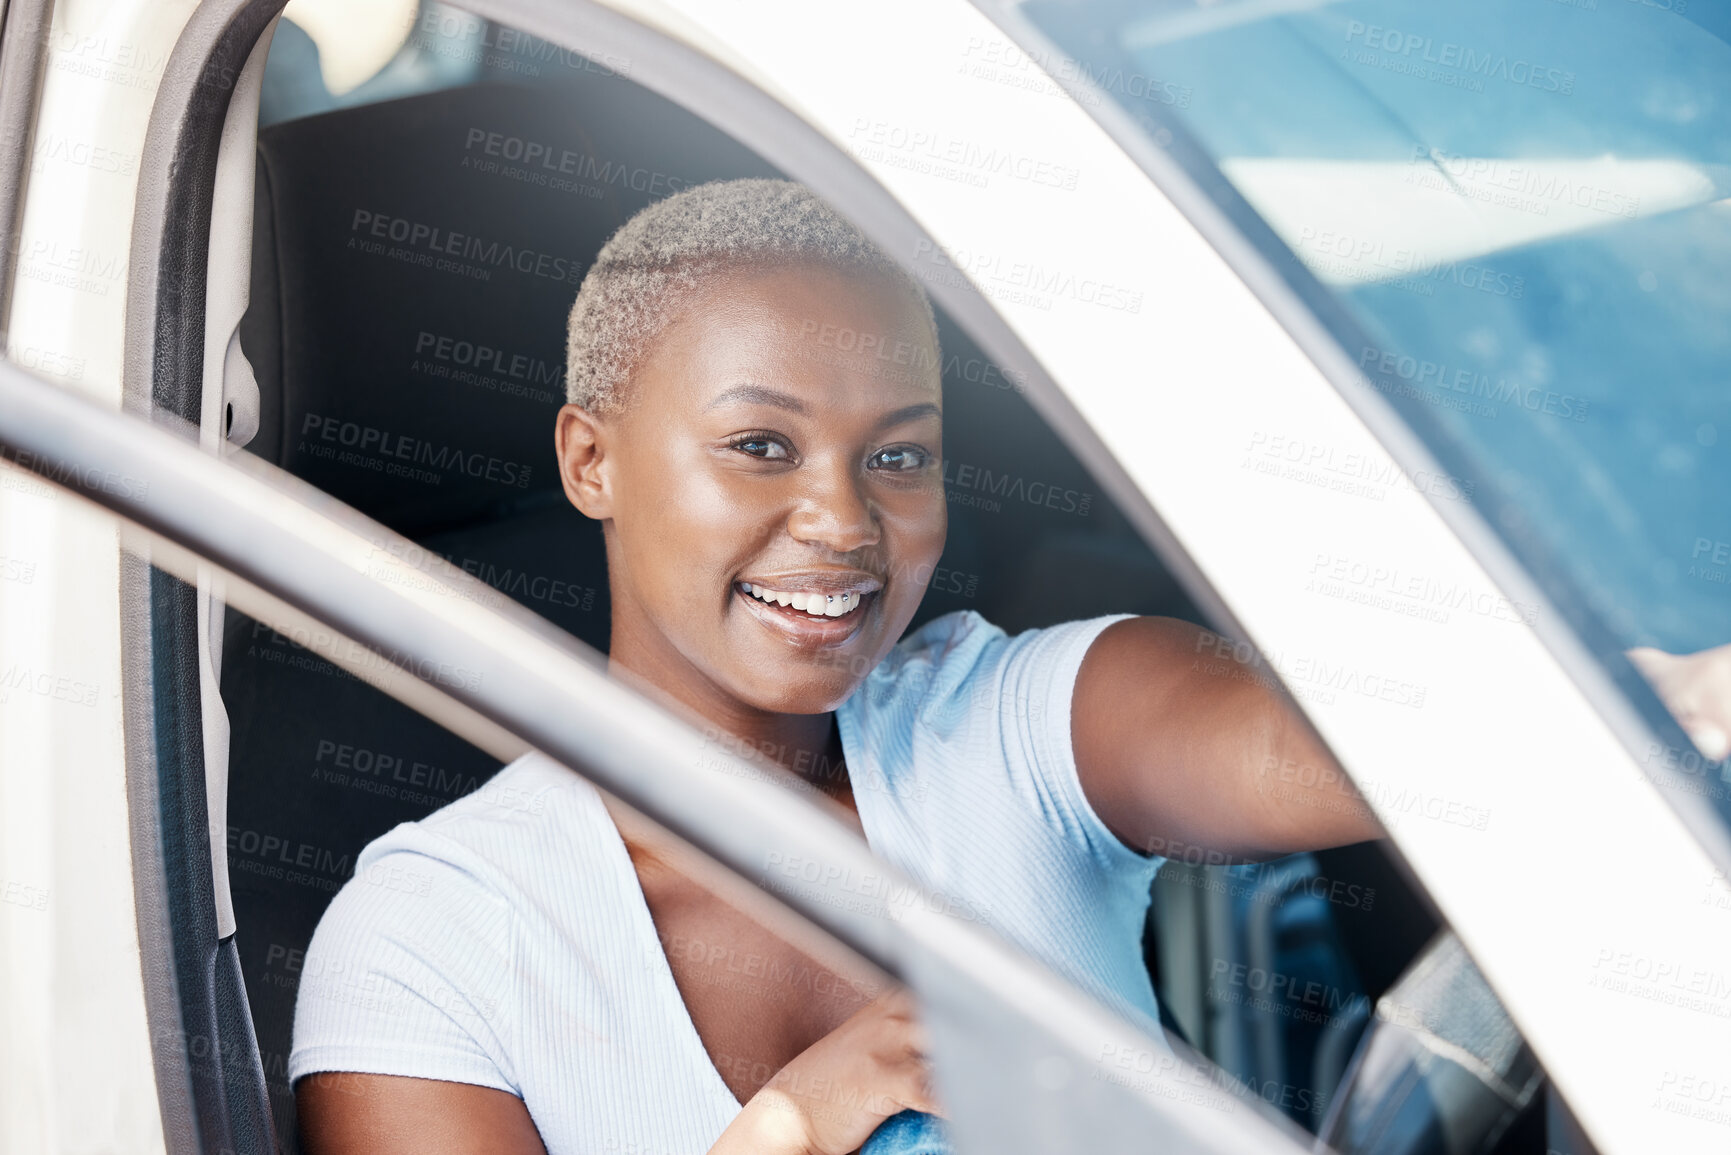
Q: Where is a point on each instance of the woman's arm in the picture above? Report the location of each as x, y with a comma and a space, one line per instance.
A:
1179, 747
343, 1113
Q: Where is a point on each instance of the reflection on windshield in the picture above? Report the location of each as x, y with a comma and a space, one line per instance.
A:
1524, 209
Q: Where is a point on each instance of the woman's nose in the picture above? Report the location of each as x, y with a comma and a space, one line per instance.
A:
834, 512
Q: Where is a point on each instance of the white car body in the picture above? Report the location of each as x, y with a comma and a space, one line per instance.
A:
1486, 747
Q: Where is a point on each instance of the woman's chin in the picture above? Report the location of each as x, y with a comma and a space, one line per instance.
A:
798, 691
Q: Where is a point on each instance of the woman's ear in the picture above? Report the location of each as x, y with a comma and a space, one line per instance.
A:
580, 440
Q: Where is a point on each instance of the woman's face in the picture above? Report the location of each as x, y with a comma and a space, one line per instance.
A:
781, 440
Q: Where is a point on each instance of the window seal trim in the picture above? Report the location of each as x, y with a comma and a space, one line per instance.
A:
224, 1101
23, 66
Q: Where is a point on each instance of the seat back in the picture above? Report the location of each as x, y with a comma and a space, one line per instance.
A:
413, 266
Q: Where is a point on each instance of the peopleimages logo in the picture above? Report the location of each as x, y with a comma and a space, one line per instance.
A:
1019, 281
486, 358
489, 367
82, 154
60, 689
432, 242
549, 161
880, 139
365, 439
960, 477
69, 474
112, 61
456, 35
85, 270
1448, 54
1438, 375
1528, 186
1362, 259
1012, 64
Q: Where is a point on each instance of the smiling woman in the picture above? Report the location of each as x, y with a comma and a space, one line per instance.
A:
755, 421
768, 498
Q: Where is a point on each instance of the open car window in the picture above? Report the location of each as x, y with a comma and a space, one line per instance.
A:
415, 254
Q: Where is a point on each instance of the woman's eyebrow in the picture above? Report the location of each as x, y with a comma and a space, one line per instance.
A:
910, 413
758, 395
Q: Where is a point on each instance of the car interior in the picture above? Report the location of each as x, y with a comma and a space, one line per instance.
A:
416, 249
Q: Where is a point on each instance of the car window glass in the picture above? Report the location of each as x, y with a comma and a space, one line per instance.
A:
1522, 211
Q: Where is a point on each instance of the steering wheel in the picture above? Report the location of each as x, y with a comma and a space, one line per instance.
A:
1441, 1070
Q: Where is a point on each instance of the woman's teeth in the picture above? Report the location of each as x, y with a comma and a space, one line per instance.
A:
817, 605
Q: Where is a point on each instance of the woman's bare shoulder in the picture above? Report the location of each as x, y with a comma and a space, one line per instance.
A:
347, 1113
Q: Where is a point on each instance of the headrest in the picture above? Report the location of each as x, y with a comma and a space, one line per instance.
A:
413, 265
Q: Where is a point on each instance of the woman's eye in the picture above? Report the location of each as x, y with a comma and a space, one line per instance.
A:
900, 459
758, 445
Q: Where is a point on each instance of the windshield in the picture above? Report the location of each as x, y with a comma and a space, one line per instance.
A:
1521, 208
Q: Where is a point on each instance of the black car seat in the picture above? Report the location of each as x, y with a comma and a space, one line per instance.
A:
413, 266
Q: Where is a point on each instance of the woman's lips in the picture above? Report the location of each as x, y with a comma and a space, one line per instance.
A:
802, 626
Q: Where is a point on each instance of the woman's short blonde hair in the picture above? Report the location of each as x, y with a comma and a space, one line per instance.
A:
653, 265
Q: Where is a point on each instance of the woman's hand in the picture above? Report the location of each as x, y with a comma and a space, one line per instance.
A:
831, 1098
1697, 689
